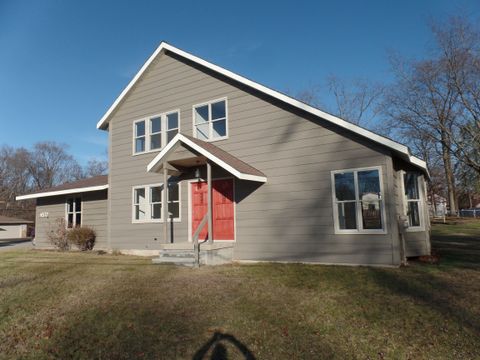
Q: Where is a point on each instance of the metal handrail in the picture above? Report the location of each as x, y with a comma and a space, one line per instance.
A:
196, 234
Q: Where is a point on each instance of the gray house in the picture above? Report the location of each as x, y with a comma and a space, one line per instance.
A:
201, 155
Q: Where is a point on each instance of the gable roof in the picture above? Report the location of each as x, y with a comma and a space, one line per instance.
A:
220, 157
94, 183
13, 221
402, 150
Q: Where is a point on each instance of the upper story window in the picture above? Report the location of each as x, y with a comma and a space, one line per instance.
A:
210, 120
413, 201
358, 204
155, 132
148, 201
74, 212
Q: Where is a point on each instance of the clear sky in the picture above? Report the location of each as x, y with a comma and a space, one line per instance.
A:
62, 63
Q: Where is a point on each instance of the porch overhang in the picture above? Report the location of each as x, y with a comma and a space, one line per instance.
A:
210, 152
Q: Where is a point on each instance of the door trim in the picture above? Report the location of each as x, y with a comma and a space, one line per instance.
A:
190, 208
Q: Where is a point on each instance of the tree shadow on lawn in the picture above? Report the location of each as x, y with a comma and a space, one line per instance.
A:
433, 292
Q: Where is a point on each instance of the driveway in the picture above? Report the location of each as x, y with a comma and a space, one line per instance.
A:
15, 244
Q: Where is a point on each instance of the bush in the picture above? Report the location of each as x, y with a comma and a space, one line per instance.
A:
57, 235
83, 237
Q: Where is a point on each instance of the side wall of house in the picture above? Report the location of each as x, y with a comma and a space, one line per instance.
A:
290, 218
50, 210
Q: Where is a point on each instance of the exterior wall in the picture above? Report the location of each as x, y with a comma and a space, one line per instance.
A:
417, 243
13, 231
290, 218
94, 214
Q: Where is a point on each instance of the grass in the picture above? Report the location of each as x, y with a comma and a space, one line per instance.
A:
86, 306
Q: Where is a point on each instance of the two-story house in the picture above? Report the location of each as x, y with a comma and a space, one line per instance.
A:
197, 152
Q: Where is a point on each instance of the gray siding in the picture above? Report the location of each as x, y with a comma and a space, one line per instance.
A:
94, 214
289, 218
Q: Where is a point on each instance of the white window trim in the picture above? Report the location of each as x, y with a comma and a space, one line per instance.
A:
149, 207
210, 124
421, 202
358, 212
74, 212
148, 132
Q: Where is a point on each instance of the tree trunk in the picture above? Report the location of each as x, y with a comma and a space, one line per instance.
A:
447, 164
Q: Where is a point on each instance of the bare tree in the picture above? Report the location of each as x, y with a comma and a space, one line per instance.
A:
50, 164
14, 175
96, 167
357, 101
458, 47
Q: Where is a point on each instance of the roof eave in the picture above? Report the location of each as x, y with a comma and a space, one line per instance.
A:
62, 192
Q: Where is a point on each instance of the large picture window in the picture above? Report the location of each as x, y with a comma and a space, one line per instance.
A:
358, 201
413, 202
210, 120
155, 132
74, 212
148, 201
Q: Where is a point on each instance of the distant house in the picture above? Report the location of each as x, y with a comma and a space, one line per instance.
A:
198, 152
13, 228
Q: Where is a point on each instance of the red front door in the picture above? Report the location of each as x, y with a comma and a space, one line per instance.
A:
223, 212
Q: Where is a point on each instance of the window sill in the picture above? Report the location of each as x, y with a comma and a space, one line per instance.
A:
213, 140
415, 229
147, 152
356, 232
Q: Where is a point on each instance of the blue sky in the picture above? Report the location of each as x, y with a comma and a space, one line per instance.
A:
62, 63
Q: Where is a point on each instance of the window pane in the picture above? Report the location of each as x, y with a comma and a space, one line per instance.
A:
78, 204
140, 128
156, 211
172, 191
70, 221
171, 134
218, 110
174, 210
219, 128
346, 215
202, 131
140, 196
155, 141
371, 214
140, 144
156, 194
139, 212
172, 121
78, 219
368, 183
155, 125
70, 205
411, 186
413, 213
344, 186
201, 114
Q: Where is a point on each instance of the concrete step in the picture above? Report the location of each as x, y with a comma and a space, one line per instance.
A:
175, 261
176, 253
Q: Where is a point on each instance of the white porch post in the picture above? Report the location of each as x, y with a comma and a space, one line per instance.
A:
209, 202
165, 203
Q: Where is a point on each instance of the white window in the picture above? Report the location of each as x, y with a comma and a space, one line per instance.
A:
413, 201
74, 212
210, 120
149, 199
155, 132
358, 203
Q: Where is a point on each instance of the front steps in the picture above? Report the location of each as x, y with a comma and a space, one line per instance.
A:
183, 254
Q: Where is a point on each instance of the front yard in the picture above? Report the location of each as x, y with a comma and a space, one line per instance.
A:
64, 305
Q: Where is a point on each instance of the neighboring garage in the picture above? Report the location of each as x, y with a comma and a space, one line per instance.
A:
12, 228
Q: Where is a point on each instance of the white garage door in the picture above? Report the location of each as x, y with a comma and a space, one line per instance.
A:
12, 231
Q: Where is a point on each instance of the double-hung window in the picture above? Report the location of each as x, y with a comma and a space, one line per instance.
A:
148, 202
155, 132
210, 120
74, 212
358, 203
412, 201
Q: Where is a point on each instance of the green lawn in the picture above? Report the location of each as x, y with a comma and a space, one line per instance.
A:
66, 305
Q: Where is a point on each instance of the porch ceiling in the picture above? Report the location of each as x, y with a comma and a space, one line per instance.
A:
204, 151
